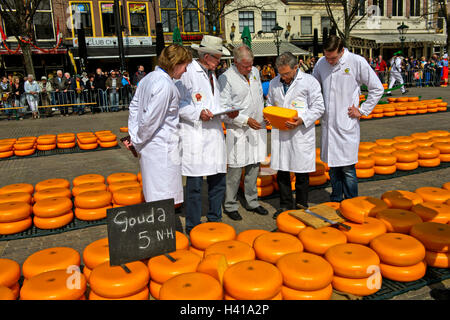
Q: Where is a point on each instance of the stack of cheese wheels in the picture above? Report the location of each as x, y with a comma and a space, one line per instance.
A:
234, 251
248, 236
289, 224
402, 256
365, 167
306, 276
52, 212
87, 140
93, 204
398, 220
7, 148
318, 177
56, 258
388, 111
355, 269
95, 254
378, 111
365, 148
15, 212
401, 199
359, 208
65, 140
318, 241
106, 139
84, 183
46, 142
10, 275
252, 280
271, 246
24, 147
161, 268
128, 196
401, 109
318, 160
436, 239
205, 234
363, 233
51, 193
444, 150
192, 286
114, 283
442, 106
432, 106
264, 185
384, 163
132, 190
407, 157
428, 156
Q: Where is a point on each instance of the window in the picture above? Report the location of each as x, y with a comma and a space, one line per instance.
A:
414, 8
269, 20
216, 6
108, 21
168, 14
362, 7
397, 8
306, 25
190, 16
380, 4
82, 18
325, 22
246, 19
138, 19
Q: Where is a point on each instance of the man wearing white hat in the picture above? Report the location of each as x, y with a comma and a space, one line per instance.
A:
202, 139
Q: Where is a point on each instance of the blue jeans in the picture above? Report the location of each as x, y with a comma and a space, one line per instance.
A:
344, 183
114, 101
193, 203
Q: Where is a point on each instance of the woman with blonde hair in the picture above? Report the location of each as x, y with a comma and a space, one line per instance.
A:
153, 126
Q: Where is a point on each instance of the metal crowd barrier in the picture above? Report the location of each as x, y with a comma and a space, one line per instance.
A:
415, 78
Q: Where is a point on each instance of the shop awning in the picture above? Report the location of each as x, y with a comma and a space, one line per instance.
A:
113, 53
409, 37
269, 49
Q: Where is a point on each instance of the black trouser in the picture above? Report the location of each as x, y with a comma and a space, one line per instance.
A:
301, 189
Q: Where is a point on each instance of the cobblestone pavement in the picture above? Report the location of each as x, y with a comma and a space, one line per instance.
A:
69, 166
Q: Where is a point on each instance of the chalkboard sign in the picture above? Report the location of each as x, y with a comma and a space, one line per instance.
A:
141, 231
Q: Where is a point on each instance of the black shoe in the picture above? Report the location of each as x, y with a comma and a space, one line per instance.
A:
277, 213
260, 210
406, 91
234, 215
389, 94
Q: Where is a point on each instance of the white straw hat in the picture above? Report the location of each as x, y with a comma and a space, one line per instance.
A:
211, 44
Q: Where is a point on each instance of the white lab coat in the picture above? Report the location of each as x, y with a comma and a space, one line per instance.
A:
153, 127
202, 142
294, 150
341, 83
245, 145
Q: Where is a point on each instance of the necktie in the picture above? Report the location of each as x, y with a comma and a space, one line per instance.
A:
211, 80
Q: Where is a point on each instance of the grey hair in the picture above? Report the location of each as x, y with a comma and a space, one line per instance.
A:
242, 52
201, 55
30, 76
286, 59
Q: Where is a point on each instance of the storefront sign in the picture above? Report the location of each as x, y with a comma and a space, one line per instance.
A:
112, 42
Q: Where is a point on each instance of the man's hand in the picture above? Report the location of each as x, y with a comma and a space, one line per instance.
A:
252, 123
206, 115
354, 112
233, 114
127, 144
295, 123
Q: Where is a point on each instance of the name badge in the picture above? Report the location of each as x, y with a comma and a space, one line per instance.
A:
298, 105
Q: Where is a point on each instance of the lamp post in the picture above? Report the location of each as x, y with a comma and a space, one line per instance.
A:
277, 30
402, 29
233, 29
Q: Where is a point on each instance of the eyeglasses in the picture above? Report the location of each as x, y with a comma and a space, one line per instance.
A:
216, 58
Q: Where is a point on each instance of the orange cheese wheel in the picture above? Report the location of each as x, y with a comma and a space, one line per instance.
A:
107, 137
123, 129
407, 166
53, 222
401, 113
365, 173
6, 294
432, 194
363, 233
264, 180
65, 138
45, 147
141, 295
384, 159
52, 193
50, 259
398, 249
385, 142
155, 288
6, 154
427, 152
100, 132
90, 186
404, 274
383, 149
385, 169
421, 135
215, 265
64, 145
15, 227
390, 114
398, 220
428, 163
367, 145
108, 144
359, 208
196, 251
424, 143
205, 234
406, 155
434, 236
249, 236
405, 139
443, 147
114, 282
235, 251
445, 157
182, 241
23, 146
9, 272
365, 162
411, 111
437, 259
24, 153
87, 140
128, 196
432, 212
87, 272
252, 280
6, 147
357, 287
52, 285
87, 146
93, 199
16, 290
441, 139
350, 260
305, 271
121, 176
292, 294
288, 224
46, 139
91, 214
271, 246
446, 186
191, 286
365, 153
14, 211
113, 187
319, 240
161, 268
96, 253
88, 178
265, 191
52, 207
318, 180
52, 183
400, 199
